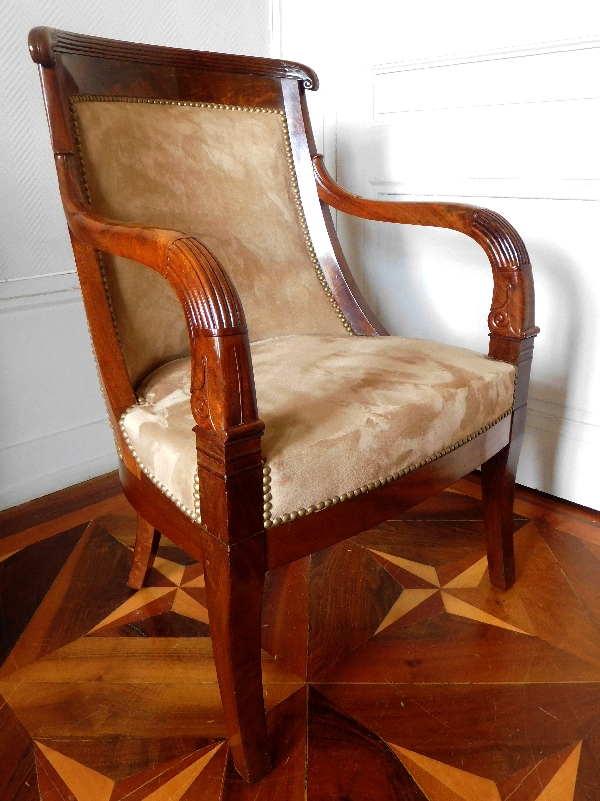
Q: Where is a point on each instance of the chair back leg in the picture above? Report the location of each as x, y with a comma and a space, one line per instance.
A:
146, 546
235, 578
498, 494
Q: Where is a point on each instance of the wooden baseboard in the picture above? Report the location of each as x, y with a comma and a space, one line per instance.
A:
57, 504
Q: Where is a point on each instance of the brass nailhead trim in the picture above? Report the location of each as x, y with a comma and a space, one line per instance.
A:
288, 154
267, 505
346, 496
194, 515
271, 522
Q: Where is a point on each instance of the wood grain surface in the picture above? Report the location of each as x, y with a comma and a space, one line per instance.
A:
393, 669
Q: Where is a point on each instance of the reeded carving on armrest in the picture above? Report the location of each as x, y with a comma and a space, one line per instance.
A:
512, 308
223, 395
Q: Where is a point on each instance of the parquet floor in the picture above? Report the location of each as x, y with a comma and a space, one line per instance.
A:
392, 669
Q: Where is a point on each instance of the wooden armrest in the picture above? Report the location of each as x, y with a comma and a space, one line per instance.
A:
222, 386
512, 310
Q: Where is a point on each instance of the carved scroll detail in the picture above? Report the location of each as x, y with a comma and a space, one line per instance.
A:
504, 312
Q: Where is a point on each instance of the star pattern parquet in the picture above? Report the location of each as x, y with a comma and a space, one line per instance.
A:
393, 670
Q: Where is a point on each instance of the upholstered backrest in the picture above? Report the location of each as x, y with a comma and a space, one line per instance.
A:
218, 172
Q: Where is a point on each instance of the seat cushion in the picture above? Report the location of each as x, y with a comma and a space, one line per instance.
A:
340, 414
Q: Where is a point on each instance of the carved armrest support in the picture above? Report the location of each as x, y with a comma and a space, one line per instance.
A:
222, 387
512, 309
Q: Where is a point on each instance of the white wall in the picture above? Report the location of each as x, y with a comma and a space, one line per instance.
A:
53, 426
493, 105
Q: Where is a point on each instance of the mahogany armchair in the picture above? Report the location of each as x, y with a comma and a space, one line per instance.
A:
255, 435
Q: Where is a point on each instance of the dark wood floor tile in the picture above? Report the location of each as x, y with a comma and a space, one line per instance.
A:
154, 578
436, 544
348, 761
446, 648
141, 606
285, 615
577, 528
165, 624
25, 578
554, 609
593, 548
583, 573
173, 778
81, 596
121, 522
423, 611
503, 607
192, 573
523, 782
403, 577
17, 762
197, 593
16, 542
105, 687
51, 785
287, 736
209, 786
538, 505
443, 782
120, 757
450, 572
446, 506
494, 731
588, 776
350, 594
53, 709
175, 554
530, 783
449, 505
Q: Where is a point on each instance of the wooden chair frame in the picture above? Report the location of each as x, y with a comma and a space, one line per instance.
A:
232, 541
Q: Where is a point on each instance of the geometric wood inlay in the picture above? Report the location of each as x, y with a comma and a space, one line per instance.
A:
119, 688
85, 784
561, 786
405, 603
435, 778
455, 606
425, 572
175, 788
471, 577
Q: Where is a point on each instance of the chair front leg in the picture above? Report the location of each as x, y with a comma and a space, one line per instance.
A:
235, 578
498, 495
146, 546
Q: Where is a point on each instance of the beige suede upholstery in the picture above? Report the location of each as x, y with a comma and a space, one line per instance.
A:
220, 174
339, 413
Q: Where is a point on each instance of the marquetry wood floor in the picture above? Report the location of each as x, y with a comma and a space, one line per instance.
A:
392, 669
